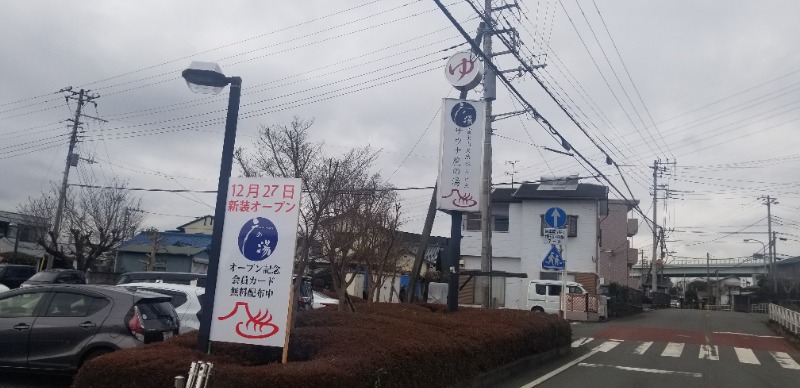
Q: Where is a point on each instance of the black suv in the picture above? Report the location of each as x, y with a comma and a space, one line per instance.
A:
59, 276
12, 275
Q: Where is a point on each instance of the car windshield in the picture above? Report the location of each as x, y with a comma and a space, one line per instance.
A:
44, 276
2, 269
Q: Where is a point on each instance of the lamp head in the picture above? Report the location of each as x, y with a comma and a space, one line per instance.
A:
205, 77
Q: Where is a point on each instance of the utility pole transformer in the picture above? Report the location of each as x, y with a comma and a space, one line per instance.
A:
82, 97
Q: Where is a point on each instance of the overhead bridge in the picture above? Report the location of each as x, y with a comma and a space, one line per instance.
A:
701, 268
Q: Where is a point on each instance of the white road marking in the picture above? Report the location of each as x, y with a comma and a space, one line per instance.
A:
709, 352
647, 370
749, 335
746, 356
642, 348
606, 346
673, 349
581, 341
559, 370
785, 360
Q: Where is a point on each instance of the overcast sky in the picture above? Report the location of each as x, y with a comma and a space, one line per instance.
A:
710, 85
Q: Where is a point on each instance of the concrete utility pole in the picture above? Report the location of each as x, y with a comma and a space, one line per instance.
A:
486, 192
72, 160
771, 242
655, 232
708, 276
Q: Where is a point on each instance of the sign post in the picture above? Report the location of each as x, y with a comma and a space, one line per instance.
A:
257, 253
556, 236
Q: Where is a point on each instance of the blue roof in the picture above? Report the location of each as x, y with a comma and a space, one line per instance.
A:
172, 239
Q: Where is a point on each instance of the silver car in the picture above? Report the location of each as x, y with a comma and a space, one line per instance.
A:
59, 327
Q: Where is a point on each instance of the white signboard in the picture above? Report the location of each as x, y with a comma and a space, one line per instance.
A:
254, 278
463, 70
460, 155
555, 236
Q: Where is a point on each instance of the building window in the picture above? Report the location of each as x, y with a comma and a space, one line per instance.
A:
473, 221
500, 217
548, 275
571, 226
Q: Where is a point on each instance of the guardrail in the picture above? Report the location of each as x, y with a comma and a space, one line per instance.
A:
718, 307
788, 319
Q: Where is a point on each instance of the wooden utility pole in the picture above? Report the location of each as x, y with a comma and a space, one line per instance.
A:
72, 160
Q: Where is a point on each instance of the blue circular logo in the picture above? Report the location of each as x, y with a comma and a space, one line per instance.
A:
258, 239
463, 114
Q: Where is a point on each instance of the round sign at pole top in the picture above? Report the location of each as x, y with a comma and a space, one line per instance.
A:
464, 71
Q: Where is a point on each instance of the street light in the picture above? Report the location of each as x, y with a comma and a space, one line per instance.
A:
207, 78
764, 249
16, 236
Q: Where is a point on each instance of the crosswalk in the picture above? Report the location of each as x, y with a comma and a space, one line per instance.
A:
678, 349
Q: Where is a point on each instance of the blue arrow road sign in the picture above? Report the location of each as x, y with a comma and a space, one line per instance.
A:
555, 217
553, 259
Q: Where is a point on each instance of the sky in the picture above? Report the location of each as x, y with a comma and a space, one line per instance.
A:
711, 89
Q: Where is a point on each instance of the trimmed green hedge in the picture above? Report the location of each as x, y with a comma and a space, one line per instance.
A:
381, 345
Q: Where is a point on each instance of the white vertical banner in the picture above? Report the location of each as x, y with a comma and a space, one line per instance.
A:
461, 155
254, 277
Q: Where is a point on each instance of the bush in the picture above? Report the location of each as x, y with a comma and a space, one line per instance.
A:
383, 344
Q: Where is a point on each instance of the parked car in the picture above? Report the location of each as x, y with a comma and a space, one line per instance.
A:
12, 275
187, 300
58, 327
545, 295
321, 300
195, 279
57, 276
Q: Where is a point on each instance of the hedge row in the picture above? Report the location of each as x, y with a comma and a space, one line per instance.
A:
381, 345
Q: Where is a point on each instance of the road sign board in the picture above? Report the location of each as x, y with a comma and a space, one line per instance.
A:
555, 236
555, 217
553, 260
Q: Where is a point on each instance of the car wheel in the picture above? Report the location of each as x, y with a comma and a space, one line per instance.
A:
537, 309
94, 354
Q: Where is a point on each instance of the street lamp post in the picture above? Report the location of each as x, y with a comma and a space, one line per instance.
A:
764, 249
16, 237
205, 77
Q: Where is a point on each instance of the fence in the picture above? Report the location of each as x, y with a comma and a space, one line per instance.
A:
761, 308
718, 307
788, 319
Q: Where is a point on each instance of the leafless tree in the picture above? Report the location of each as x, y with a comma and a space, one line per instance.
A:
156, 245
337, 190
93, 221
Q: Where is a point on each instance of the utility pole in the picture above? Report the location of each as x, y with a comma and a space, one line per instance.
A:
708, 276
771, 242
655, 232
486, 192
72, 160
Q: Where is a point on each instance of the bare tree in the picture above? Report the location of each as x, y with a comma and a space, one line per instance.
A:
156, 245
93, 222
339, 195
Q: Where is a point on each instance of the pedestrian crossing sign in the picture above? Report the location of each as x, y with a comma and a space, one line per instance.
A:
553, 260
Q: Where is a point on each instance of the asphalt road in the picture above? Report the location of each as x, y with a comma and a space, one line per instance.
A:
33, 380
672, 348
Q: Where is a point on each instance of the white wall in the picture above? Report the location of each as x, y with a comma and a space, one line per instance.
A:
522, 249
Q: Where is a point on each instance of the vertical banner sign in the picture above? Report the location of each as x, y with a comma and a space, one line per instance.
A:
461, 155
256, 258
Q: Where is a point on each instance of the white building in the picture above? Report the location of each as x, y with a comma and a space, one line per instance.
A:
518, 243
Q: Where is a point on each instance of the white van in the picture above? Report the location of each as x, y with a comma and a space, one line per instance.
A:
543, 295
